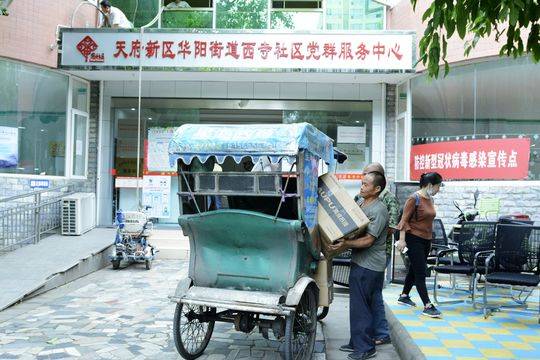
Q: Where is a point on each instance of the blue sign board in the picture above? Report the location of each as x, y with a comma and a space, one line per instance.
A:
39, 184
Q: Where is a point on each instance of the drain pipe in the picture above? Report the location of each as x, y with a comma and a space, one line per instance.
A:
152, 22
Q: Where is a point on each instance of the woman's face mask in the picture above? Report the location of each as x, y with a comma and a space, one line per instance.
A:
432, 189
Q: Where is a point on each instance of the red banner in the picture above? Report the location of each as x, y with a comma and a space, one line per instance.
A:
498, 159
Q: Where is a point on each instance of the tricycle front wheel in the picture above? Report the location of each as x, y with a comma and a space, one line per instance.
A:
192, 332
301, 329
148, 264
116, 264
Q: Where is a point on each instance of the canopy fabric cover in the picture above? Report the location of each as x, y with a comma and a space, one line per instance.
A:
269, 141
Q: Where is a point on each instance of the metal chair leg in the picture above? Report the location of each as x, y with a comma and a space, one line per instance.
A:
435, 298
485, 308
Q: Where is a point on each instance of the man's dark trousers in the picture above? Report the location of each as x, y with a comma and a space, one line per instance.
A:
363, 285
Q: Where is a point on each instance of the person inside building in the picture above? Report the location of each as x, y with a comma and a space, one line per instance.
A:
113, 17
177, 4
416, 231
381, 332
368, 262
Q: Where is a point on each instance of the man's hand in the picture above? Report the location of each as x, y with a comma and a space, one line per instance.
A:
339, 246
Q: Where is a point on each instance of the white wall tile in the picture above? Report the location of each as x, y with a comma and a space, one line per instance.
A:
292, 91
131, 89
345, 92
113, 88
188, 89
370, 91
319, 91
214, 89
240, 89
266, 90
165, 89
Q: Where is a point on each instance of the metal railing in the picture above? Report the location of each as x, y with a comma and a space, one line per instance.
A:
25, 218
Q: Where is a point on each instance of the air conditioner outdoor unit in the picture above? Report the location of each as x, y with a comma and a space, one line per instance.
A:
78, 213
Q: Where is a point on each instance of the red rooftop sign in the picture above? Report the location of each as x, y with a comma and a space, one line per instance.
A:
499, 159
382, 51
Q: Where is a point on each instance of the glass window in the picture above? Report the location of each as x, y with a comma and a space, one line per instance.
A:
356, 123
138, 12
245, 14
191, 14
507, 105
296, 20
80, 141
400, 148
187, 19
184, 4
33, 104
354, 15
443, 106
402, 98
302, 4
79, 98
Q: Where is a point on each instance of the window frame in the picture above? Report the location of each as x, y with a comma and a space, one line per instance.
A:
68, 137
75, 113
406, 117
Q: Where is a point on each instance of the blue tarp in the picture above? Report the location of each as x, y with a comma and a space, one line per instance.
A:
274, 141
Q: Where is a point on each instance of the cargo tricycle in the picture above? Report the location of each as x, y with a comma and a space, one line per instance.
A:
248, 199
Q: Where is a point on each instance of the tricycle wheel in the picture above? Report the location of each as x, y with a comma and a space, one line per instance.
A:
116, 264
322, 312
191, 335
301, 329
148, 264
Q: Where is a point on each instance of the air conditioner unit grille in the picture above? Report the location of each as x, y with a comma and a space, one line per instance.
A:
78, 213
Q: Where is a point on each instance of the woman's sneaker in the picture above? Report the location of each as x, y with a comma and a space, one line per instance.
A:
431, 311
406, 300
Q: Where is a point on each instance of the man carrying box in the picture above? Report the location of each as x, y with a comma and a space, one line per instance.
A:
368, 263
381, 332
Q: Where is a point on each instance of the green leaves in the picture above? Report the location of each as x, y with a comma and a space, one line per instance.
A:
477, 19
461, 19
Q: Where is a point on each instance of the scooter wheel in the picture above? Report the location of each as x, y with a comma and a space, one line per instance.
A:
148, 264
115, 264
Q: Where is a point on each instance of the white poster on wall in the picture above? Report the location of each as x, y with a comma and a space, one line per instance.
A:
9, 147
158, 149
157, 194
351, 134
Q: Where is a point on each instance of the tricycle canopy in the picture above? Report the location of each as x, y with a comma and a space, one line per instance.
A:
261, 141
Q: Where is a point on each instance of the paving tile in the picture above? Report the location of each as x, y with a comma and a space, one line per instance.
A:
106, 315
463, 333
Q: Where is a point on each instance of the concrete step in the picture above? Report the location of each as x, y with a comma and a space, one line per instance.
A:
171, 243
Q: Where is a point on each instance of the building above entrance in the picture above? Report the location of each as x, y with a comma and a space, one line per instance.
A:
376, 53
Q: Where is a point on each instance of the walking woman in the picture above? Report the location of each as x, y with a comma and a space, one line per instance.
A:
416, 230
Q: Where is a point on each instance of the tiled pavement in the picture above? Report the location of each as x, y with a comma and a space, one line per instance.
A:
121, 314
463, 333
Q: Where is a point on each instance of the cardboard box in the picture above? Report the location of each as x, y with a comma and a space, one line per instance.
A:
325, 282
338, 214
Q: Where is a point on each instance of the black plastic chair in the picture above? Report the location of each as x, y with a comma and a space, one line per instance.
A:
515, 263
476, 239
439, 242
